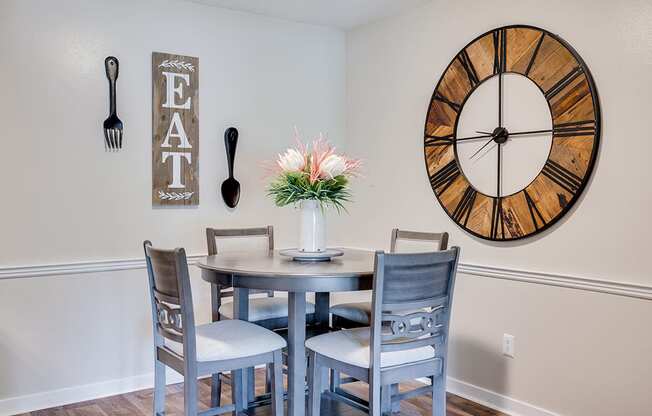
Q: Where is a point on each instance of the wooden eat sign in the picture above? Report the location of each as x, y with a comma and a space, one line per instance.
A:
175, 125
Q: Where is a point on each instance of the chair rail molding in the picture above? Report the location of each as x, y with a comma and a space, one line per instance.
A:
66, 269
526, 276
559, 280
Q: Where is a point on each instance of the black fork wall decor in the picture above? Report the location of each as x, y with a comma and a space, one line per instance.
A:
113, 125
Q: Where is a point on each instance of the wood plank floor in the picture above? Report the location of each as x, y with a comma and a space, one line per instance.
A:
140, 404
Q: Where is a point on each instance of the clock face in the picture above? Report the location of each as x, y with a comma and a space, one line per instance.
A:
512, 133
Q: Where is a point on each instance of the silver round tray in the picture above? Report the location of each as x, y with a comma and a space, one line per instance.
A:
298, 255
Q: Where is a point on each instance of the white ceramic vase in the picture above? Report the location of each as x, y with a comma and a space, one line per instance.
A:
312, 238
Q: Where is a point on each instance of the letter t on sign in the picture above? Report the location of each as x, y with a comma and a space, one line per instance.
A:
175, 125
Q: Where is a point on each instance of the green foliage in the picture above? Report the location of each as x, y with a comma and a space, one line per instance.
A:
294, 187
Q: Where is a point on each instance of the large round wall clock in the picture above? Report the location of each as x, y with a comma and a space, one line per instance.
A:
512, 133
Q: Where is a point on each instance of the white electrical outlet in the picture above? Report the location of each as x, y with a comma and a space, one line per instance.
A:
509, 346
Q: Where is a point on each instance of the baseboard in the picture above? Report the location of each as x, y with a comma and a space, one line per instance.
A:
495, 400
76, 394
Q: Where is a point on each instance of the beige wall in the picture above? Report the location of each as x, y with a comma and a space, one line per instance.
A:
577, 353
67, 200
78, 202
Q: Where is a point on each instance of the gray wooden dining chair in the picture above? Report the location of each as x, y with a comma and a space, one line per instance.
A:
270, 312
196, 351
400, 344
357, 314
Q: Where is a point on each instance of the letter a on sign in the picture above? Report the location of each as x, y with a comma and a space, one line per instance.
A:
175, 124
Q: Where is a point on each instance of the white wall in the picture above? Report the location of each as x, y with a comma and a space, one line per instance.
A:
71, 200
577, 353
65, 199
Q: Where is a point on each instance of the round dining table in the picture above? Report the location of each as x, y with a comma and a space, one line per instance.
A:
271, 271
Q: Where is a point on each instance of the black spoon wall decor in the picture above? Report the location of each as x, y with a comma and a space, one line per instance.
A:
231, 187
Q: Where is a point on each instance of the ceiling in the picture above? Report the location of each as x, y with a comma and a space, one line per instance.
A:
343, 14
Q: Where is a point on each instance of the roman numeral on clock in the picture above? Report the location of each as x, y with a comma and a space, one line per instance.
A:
456, 107
497, 219
534, 211
466, 63
500, 50
574, 129
444, 177
465, 206
534, 54
439, 140
564, 82
562, 176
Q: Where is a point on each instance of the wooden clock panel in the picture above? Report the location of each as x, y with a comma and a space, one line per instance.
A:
566, 83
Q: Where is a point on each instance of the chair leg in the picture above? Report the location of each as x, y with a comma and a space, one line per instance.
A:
159, 388
314, 385
190, 395
335, 380
438, 396
277, 384
216, 390
375, 398
236, 390
324, 384
251, 385
395, 404
269, 370
386, 400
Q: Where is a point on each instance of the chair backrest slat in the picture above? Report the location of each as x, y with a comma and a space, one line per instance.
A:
424, 303
170, 294
162, 297
412, 298
397, 235
416, 277
212, 234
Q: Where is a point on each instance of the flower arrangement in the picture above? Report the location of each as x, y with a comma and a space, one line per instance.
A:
314, 172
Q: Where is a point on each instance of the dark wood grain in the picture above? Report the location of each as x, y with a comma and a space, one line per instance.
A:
140, 403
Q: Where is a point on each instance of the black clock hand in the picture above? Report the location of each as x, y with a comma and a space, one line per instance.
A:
521, 133
483, 146
498, 177
484, 136
500, 99
433, 140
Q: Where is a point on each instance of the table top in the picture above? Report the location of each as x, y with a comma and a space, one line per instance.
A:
352, 271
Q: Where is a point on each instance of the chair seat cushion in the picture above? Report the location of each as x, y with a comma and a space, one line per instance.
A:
351, 346
226, 340
261, 309
355, 311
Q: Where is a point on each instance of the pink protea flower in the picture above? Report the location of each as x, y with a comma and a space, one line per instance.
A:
321, 150
319, 161
307, 172
291, 161
353, 166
